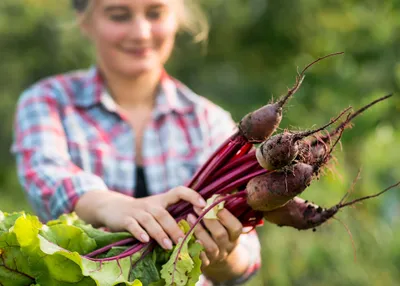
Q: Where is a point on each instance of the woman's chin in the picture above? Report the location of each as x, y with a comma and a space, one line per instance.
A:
136, 69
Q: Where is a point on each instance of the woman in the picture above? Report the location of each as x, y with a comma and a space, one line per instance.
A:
116, 143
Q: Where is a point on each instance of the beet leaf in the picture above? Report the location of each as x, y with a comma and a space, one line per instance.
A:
183, 267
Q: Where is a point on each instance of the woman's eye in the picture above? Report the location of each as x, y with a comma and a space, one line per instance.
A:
155, 14
120, 17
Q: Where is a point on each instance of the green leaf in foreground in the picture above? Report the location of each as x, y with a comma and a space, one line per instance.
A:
183, 269
101, 237
69, 237
14, 266
27, 258
32, 253
102, 273
194, 251
113, 252
146, 271
7, 220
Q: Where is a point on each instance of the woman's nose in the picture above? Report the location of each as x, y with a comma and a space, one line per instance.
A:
141, 29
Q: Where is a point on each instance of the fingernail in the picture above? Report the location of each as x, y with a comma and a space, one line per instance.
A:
167, 243
144, 237
191, 219
202, 203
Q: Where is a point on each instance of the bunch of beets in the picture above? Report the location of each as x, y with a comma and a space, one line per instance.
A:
258, 175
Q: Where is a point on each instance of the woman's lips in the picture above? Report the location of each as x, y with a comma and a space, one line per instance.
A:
138, 52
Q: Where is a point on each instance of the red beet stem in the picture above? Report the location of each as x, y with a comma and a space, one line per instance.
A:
226, 185
108, 247
128, 252
237, 157
231, 177
242, 181
217, 162
250, 157
223, 146
243, 151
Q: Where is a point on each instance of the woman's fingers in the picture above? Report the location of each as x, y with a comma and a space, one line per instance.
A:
233, 226
168, 223
153, 228
135, 229
204, 259
203, 256
220, 235
218, 232
225, 230
183, 193
230, 223
210, 247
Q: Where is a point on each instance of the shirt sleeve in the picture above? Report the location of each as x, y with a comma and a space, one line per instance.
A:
222, 127
51, 181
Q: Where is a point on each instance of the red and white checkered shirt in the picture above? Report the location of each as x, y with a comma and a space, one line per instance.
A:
71, 138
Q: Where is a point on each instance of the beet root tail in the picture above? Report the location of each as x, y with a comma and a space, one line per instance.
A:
300, 78
301, 214
347, 123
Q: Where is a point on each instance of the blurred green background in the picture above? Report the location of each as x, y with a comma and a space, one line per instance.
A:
254, 50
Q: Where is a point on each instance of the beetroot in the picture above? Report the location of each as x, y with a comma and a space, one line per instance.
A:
300, 214
253, 126
257, 184
260, 124
272, 190
280, 150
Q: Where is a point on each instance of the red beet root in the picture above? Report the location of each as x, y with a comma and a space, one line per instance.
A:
258, 125
280, 150
301, 214
272, 190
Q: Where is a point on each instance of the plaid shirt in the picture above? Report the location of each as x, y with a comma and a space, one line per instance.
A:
71, 138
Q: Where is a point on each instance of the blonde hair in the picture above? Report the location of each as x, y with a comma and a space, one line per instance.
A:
191, 17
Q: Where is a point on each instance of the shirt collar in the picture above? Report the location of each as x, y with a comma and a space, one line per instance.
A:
172, 95
92, 89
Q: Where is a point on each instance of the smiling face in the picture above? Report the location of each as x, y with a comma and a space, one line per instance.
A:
132, 37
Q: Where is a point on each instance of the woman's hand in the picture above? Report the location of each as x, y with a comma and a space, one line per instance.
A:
142, 217
219, 239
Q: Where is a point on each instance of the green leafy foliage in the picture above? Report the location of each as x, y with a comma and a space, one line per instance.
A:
52, 254
146, 271
100, 237
69, 237
184, 266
